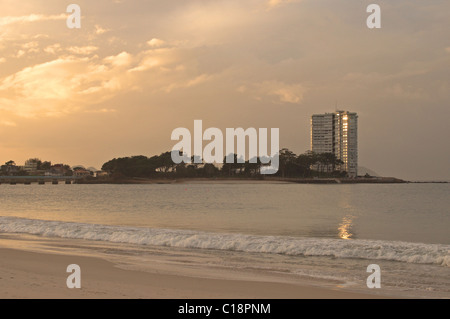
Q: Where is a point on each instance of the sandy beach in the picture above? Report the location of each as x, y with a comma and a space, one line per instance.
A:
30, 274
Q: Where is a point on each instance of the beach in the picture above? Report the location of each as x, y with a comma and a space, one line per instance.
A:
225, 240
27, 273
181, 150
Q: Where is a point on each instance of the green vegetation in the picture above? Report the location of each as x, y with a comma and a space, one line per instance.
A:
291, 165
35, 167
305, 165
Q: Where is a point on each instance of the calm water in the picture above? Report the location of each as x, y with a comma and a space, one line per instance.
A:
329, 232
409, 212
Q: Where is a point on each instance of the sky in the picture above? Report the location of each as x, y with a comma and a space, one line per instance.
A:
137, 70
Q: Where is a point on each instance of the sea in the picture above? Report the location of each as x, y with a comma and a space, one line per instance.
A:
325, 235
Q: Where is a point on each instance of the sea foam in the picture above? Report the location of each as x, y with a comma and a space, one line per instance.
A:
296, 246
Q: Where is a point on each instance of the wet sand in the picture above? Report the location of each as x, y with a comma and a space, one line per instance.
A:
28, 274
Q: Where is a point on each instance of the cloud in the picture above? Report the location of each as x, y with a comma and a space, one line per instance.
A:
20, 54
122, 59
99, 30
53, 49
285, 93
5, 21
57, 48
146, 64
30, 45
276, 3
85, 50
78, 82
7, 123
155, 43
188, 83
213, 22
157, 58
38, 89
103, 110
63, 85
405, 92
289, 94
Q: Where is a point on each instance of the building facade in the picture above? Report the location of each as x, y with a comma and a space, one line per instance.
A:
30, 166
337, 133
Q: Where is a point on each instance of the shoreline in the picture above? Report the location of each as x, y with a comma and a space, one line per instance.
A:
267, 180
14, 180
27, 271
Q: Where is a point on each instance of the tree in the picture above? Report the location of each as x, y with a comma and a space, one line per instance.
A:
229, 169
10, 163
290, 165
209, 170
326, 160
46, 165
10, 168
304, 162
67, 170
287, 160
252, 169
165, 162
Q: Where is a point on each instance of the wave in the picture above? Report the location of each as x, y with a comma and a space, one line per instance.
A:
296, 246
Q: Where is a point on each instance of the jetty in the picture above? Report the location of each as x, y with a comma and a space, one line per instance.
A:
41, 180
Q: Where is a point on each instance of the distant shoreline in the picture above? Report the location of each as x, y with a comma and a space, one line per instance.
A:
200, 180
276, 180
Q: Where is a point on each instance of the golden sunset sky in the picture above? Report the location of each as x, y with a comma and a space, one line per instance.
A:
136, 70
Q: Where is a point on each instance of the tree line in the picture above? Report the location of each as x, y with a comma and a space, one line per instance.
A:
305, 165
